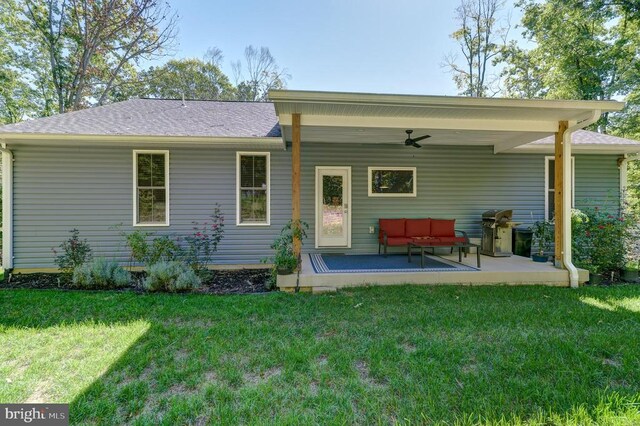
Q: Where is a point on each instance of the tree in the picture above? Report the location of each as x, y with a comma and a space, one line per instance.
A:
92, 47
259, 74
188, 78
627, 123
523, 77
584, 50
17, 98
480, 38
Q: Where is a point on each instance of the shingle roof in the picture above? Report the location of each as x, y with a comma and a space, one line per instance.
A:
161, 117
585, 137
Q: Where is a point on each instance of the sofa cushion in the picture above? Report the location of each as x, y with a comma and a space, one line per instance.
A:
443, 227
398, 241
418, 227
393, 227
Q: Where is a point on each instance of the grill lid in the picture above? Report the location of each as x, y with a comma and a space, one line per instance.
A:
501, 216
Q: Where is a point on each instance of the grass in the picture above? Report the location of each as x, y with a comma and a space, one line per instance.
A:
410, 355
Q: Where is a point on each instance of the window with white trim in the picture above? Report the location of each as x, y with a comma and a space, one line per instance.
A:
392, 181
150, 188
253, 188
550, 181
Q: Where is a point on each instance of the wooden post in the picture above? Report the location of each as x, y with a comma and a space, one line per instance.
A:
295, 176
558, 191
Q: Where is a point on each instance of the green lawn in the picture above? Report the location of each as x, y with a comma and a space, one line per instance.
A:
375, 355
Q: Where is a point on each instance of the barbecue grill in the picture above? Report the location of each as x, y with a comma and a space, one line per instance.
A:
496, 233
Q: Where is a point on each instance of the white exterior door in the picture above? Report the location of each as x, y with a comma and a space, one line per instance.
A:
333, 206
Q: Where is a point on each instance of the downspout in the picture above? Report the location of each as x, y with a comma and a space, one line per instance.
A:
567, 195
7, 207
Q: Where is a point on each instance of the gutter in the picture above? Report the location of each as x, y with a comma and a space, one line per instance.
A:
7, 207
567, 194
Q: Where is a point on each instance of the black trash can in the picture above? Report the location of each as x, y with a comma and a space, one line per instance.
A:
521, 241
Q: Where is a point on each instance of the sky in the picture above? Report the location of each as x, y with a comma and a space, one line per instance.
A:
377, 46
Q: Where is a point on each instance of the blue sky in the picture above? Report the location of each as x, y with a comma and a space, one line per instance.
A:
383, 46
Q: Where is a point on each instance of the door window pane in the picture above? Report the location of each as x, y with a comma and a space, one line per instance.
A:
332, 206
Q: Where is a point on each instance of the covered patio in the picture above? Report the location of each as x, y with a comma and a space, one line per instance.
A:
327, 130
515, 270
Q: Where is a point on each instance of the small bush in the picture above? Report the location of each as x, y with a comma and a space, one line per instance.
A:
599, 239
160, 249
75, 253
171, 276
202, 244
101, 274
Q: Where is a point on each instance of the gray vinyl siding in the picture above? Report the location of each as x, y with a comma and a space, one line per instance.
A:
58, 188
457, 182
91, 188
597, 181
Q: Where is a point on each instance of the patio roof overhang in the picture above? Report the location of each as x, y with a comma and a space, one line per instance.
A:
382, 118
316, 117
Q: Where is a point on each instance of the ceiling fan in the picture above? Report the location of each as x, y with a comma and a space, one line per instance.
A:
414, 141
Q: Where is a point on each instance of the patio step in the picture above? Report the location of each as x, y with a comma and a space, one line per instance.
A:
323, 290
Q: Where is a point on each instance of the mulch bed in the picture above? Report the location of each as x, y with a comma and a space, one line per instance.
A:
239, 281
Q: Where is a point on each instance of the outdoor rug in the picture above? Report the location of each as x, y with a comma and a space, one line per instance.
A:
359, 263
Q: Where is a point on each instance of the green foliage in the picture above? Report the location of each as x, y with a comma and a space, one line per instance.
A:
101, 274
203, 243
599, 239
583, 50
138, 245
195, 250
171, 276
626, 124
18, 98
161, 248
70, 55
191, 78
74, 253
284, 258
523, 77
543, 235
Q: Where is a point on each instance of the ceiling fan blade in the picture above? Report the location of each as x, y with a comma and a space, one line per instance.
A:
416, 145
421, 138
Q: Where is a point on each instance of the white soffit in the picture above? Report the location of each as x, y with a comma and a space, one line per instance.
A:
382, 118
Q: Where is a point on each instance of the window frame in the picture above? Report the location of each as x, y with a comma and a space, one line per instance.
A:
546, 184
239, 155
167, 221
370, 192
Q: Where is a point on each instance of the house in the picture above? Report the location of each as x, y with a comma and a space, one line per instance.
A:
160, 165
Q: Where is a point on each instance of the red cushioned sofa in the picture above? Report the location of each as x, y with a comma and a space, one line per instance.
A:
400, 232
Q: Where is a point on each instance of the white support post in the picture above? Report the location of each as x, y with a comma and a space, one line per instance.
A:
7, 207
567, 172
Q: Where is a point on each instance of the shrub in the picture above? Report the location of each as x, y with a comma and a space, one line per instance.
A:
599, 240
284, 258
101, 274
543, 235
171, 276
203, 243
75, 253
161, 249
